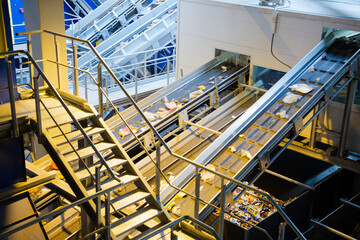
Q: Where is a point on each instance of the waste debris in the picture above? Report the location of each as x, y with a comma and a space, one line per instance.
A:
303, 88
195, 94
208, 176
246, 153
170, 105
123, 132
291, 98
251, 207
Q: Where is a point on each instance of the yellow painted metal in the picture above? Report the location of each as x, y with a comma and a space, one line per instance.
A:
3, 43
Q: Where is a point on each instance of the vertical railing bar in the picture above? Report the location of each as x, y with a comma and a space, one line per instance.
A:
85, 88
14, 123
31, 67
107, 216
136, 85
197, 192
75, 72
107, 91
100, 85
222, 208
168, 71
37, 108
57, 61
98, 199
158, 169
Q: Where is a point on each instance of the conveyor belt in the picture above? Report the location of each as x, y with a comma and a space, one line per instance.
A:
193, 141
177, 91
260, 130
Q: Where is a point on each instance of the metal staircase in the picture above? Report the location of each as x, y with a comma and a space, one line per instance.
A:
77, 167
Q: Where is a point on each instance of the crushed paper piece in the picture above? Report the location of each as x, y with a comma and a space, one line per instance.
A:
223, 68
176, 210
220, 77
312, 69
303, 88
150, 116
150, 105
208, 176
171, 105
245, 153
53, 166
162, 114
291, 98
233, 117
181, 195
201, 87
184, 100
241, 135
211, 82
171, 176
195, 94
318, 79
212, 78
232, 149
123, 132
143, 129
282, 114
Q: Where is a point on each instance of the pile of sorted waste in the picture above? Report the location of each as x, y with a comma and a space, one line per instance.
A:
251, 207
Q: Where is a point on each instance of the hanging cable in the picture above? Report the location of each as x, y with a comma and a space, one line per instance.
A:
275, 20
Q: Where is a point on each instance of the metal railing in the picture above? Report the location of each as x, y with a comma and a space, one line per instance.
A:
172, 225
35, 84
105, 230
197, 166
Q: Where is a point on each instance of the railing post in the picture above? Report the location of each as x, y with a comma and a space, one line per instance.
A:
350, 95
85, 86
136, 87
158, 169
107, 216
313, 129
145, 63
98, 199
168, 71
197, 192
222, 209
37, 108
14, 123
75, 73
31, 67
57, 61
100, 85
107, 91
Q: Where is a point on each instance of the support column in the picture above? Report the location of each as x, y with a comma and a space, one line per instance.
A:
48, 15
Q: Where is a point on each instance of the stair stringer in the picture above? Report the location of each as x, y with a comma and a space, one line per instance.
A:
69, 175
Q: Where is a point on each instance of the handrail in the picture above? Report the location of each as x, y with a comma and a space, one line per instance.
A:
61, 100
168, 149
63, 209
176, 222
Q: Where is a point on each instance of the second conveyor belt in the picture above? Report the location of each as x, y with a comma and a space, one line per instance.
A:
261, 128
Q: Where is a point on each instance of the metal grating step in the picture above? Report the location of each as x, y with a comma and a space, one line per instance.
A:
134, 220
114, 162
77, 135
88, 151
127, 200
125, 179
63, 118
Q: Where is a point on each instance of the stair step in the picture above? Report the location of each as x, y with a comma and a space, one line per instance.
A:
114, 162
126, 200
125, 179
76, 135
62, 117
134, 220
88, 151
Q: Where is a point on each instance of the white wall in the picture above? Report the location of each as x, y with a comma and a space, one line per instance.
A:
204, 25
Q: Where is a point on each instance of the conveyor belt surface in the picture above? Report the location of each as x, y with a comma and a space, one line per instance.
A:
153, 104
192, 142
266, 129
